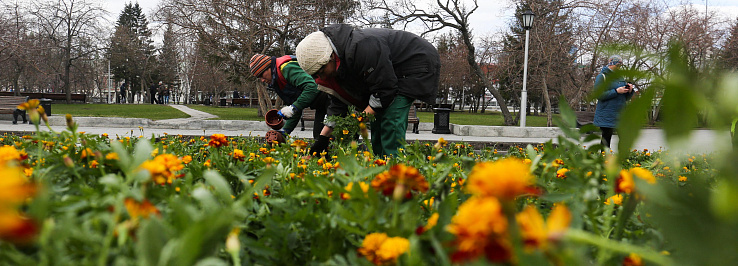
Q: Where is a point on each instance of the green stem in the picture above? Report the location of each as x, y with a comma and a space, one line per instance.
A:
441, 254
575, 235
628, 209
104, 253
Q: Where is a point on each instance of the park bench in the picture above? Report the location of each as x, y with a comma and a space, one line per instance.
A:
53, 96
412, 118
584, 117
8, 104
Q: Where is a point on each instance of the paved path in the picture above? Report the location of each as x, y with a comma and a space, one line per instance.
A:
700, 141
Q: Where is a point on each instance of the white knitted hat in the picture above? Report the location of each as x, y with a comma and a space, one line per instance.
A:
313, 52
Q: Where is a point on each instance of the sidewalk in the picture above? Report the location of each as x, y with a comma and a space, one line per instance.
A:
701, 141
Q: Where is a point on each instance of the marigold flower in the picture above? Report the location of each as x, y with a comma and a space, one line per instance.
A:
140, 209
535, 233
633, 260
625, 182
504, 179
218, 140
9, 153
381, 249
238, 155
364, 187
440, 144
480, 227
380, 162
16, 189
94, 164
682, 178
616, 199
162, 168
399, 180
432, 221
561, 173
186, 159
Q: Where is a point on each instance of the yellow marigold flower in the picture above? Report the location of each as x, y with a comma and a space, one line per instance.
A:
140, 209
268, 160
94, 164
372, 242
207, 163
561, 173
625, 182
399, 180
682, 178
429, 203
432, 222
238, 155
504, 179
186, 159
218, 140
112, 156
86, 152
617, 199
392, 248
440, 144
16, 190
345, 132
28, 171
9, 153
162, 168
535, 233
480, 227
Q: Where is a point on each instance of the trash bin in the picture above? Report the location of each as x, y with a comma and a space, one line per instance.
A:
222, 101
46, 104
441, 121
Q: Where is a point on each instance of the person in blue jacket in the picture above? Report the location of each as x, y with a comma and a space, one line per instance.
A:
616, 92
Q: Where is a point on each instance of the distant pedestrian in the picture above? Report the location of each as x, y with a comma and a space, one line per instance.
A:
235, 94
122, 96
167, 93
160, 95
616, 91
153, 89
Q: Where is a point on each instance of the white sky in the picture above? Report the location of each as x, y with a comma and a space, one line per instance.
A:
491, 17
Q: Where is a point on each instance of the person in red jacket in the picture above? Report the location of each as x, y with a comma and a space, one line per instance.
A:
296, 88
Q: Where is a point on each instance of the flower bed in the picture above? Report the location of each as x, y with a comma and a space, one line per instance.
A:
74, 198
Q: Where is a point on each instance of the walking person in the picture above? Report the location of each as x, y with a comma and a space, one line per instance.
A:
379, 71
153, 89
296, 88
615, 93
122, 96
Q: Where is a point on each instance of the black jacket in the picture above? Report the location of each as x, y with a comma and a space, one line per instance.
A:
384, 63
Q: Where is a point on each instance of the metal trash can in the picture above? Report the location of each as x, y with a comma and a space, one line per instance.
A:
222, 101
441, 121
46, 104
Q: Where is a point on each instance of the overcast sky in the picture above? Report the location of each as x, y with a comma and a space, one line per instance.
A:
491, 17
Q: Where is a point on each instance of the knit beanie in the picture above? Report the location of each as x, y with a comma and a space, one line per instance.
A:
313, 52
614, 60
260, 63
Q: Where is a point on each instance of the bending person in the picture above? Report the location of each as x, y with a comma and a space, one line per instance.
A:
296, 88
379, 71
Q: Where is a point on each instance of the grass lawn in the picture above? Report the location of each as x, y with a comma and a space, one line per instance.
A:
150, 111
230, 113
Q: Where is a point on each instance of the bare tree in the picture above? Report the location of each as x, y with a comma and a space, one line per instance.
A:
440, 15
71, 26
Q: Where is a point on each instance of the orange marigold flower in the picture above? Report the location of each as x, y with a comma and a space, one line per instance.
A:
9, 153
86, 152
112, 156
682, 178
94, 164
480, 227
535, 233
561, 173
218, 140
364, 188
163, 167
381, 249
186, 159
504, 179
140, 209
399, 180
633, 260
380, 162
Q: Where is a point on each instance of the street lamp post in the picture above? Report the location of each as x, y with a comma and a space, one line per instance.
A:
528, 16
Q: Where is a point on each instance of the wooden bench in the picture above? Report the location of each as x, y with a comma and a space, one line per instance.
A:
584, 117
53, 96
307, 114
8, 104
412, 118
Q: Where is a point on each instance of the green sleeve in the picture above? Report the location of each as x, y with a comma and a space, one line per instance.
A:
291, 123
298, 78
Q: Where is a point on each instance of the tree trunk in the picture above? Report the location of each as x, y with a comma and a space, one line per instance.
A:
547, 100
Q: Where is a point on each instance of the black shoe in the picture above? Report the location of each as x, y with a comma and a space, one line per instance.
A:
25, 122
15, 122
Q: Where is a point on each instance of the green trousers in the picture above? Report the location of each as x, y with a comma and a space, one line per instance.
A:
389, 126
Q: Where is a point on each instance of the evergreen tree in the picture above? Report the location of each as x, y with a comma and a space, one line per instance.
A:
131, 50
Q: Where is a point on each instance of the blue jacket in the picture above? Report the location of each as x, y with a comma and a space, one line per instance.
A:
610, 102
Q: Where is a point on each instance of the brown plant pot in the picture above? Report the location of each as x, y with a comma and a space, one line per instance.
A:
273, 135
274, 120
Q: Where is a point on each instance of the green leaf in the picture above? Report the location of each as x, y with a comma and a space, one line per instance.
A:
152, 237
222, 189
632, 119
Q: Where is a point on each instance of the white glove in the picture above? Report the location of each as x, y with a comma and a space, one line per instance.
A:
288, 111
